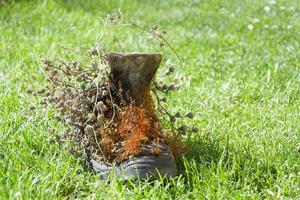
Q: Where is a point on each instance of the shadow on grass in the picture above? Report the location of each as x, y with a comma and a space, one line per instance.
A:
202, 152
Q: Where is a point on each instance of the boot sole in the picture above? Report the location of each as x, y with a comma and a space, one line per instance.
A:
140, 167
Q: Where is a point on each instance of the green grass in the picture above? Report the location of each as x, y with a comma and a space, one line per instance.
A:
243, 85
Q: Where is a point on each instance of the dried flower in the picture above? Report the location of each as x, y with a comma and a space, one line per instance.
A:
195, 129
91, 117
100, 120
172, 118
101, 106
177, 115
190, 115
104, 93
183, 128
89, 131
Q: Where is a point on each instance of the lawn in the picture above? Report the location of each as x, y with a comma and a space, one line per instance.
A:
241, 67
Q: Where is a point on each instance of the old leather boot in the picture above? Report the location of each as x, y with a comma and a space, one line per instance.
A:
133, 72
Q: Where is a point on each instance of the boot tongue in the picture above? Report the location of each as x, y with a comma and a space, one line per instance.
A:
134, 72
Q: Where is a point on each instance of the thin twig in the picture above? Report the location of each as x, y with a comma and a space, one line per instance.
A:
158, 37
113, 106
97, 93
99, 145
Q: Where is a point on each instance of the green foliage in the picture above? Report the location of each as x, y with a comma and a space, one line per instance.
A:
241, 65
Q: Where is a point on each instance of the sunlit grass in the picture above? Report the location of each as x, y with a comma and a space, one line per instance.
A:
241, 66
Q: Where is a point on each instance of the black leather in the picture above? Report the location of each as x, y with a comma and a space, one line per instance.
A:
143, 166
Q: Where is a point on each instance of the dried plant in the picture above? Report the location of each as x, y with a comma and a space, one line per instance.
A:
102, 123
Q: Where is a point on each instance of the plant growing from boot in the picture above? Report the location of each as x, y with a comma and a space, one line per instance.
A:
102, 121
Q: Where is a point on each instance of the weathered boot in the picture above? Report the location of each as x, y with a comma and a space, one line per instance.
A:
133, 72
